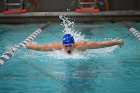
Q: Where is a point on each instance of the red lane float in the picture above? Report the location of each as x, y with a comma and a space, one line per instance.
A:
87, 10
14, 11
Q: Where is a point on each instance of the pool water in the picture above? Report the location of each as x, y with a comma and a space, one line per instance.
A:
106, 70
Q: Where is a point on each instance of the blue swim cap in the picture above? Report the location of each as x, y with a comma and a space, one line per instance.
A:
68, 39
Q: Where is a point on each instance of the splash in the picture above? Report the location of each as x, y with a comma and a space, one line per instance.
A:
70, 28
55, 54
102, 52
61, 54
106, 50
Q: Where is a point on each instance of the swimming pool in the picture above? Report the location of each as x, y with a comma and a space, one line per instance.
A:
107, 70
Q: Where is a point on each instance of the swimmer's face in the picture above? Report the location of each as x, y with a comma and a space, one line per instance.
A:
68, 48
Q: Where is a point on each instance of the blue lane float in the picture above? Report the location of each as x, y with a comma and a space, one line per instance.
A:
11, 51
134, 31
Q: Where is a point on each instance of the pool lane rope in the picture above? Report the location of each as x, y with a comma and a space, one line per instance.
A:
134, 31
11, 51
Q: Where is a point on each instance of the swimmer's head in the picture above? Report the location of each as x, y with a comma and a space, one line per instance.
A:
68, 39
68, 43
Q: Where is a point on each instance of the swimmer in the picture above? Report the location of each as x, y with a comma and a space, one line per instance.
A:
68, 44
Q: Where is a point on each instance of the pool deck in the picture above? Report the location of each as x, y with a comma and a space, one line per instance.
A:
41, 17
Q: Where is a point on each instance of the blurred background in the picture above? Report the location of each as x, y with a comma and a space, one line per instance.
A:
71, 5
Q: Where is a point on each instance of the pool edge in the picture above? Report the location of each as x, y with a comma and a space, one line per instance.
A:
41, 17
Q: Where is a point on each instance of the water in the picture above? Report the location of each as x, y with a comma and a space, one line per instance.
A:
105, 70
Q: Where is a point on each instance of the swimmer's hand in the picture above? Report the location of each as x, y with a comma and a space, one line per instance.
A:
120, 42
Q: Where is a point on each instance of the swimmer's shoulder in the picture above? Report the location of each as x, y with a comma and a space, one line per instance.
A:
55, 45
81, 45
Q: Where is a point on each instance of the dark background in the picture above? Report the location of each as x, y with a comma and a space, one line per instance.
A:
63, 5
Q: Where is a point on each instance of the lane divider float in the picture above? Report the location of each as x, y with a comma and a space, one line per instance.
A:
134, 31
11, 51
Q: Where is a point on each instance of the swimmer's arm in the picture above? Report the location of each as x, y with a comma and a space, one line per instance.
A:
38, 47
95, 45
45, 47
